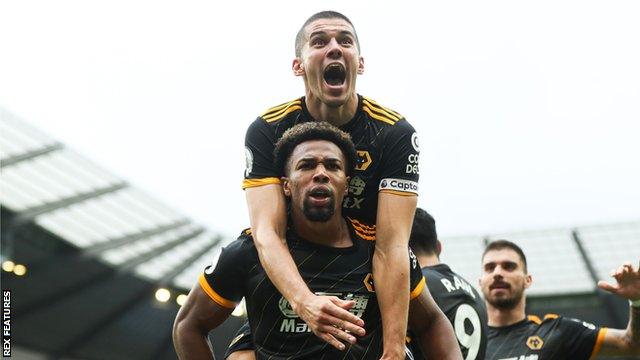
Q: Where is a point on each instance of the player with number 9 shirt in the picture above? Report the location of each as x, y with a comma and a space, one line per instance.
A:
458, 300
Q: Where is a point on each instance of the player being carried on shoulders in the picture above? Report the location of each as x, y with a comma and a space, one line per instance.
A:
382, 193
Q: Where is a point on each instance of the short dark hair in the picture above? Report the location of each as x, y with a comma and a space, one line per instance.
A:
424, 238
313, 130
328, 14
506, 244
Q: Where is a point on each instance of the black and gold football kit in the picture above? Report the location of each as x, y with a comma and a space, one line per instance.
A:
386, 145
278, 332
552, 338
464, 308
387, 149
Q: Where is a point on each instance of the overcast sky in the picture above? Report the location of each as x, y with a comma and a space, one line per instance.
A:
528, 112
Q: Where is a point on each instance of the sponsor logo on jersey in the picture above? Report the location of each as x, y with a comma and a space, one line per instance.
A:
352, 202
209, 270
412, 166
363, 160
535, 342
293, 324
286, 309
356, 186
248, 157
399, 185
522, 357
414, 141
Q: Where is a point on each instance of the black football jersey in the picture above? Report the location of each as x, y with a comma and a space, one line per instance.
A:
464, 308
277, 331
552, 338
386, 145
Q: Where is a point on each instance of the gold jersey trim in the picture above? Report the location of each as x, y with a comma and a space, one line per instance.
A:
373, 102
275, 109
282, 111
599, 342
535, 319
377, 117
214, 295
249, 183
401, 193
393, 116
418, 289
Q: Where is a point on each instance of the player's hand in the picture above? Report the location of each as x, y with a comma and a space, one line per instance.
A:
628, 282
329, 319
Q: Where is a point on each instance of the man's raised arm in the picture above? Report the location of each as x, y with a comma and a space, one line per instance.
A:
267, 213
391, 269
624, 342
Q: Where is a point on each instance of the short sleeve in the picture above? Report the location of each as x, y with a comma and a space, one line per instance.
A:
259, 144
223, 281
399, 163
581, 338
417, 280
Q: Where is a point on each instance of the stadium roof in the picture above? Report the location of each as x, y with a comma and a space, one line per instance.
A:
102, 215
96, 249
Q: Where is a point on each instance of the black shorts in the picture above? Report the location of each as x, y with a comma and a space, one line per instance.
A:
242, 341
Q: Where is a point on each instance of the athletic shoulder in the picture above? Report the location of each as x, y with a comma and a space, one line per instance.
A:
223, 280
569, 322
547, 318
260, 139
443, 281
551, 320
244, 241
381, 113
395, 127
281, 111
240, 249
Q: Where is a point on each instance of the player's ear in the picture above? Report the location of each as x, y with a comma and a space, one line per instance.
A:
438, 247
297, 67
360, 65
527, 281
286, 186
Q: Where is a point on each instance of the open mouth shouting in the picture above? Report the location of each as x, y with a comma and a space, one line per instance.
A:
320, 196
319, 204
335, 75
